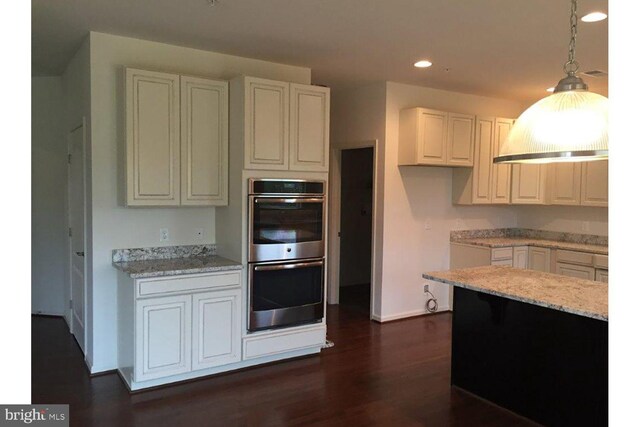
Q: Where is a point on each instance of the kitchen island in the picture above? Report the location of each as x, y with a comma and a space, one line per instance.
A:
532, 342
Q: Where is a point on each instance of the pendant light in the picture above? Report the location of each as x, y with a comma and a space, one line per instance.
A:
569, 126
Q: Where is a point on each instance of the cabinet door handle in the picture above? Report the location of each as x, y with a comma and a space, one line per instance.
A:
80, 253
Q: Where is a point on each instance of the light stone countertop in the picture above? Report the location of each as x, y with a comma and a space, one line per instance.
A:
176, 266
499, 242
577, 296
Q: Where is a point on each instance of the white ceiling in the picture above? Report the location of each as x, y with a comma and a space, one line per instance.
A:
507, 48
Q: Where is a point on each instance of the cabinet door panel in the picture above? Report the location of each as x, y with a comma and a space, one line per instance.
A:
163, 328
460, 140
152, 138
563, 183
483, 160
539, 259
595, 183
309, 128
432, 137
521, 257
500, 174
216, 328
205, 141
528, 184
267, 124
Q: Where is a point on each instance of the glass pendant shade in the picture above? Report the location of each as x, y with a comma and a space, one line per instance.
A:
566, 126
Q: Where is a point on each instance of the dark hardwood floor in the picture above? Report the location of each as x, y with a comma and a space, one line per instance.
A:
395, 374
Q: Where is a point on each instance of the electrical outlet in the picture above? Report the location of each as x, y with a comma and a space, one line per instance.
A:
164, 234
199, 233
459, 225
426, 288
585, 226
427, 224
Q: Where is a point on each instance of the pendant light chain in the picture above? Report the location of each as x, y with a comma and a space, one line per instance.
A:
572, 65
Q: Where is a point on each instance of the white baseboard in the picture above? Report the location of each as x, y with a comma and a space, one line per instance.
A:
406, 314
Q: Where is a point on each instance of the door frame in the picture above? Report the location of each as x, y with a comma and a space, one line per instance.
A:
69, 242
335, 177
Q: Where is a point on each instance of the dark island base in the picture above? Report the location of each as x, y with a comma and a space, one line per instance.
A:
547, 365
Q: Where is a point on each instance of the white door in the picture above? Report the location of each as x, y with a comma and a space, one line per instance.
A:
76, 186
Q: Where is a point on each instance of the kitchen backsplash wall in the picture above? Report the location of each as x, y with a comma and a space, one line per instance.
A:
564, 219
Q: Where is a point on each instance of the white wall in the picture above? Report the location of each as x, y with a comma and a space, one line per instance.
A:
416, 194
567, 219
115, 226
48, 197
357, 115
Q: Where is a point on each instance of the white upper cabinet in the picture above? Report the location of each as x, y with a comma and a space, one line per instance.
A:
435, 138
152, 138
485, 130
563, 183
528, 184
177, 139
500, 173
487, 182
286, 125
204, 140
578, 183
309, 128
595, 183
460, 139
266, 124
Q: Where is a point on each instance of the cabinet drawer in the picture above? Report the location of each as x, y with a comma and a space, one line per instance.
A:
268, 345
573, 257
171, 285
577, 271
507, 262
501, 254
601, 261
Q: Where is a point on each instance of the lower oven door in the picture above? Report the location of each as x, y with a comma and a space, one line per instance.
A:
285, 294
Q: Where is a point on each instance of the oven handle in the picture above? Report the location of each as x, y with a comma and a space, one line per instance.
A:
289, 200
288, 266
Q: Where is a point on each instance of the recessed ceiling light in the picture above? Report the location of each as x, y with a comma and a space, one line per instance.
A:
594, 17
423, 64
551, 89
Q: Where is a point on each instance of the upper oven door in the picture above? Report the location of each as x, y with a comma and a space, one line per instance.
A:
282, 228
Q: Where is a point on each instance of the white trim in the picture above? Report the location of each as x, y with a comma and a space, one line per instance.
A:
333, 261
407, 314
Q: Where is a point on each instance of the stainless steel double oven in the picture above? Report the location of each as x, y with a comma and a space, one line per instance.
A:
286, 252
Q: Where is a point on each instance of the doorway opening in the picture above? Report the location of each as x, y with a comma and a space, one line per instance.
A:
356, 226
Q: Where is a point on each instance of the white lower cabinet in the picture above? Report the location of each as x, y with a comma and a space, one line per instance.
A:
521, 257
539, 259
577, 271
602, 276
184, 333
216, 328
172, 328
164, 328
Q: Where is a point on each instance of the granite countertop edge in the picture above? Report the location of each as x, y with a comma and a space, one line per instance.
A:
490, 242
481, 289
176, 266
